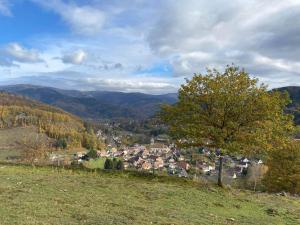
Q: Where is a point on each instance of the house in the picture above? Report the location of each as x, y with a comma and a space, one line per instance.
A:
145, 154
133, 159
57, 158
181, 158
183, 165
245, 160
159, 163
113, 149
102, 154
126, 165
206, 168
138, 162
80, 154
117, 153
146, 166
182, 173
171, 160
242, 166
172, 169
157, 147
172, 165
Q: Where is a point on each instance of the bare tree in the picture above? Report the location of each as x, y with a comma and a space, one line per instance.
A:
256, 173
34, 147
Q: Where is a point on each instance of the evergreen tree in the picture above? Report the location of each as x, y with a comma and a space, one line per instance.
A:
120, 165
114, 162
61, 143
108, 165
92, 154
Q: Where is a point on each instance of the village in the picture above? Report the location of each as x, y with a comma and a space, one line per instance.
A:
162, 158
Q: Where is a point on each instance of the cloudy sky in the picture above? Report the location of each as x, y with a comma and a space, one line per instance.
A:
146, 46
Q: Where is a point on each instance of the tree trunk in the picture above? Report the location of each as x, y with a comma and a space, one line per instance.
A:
255, 182
220, 171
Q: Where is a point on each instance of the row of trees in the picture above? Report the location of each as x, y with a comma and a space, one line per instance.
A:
232, 112
113, 164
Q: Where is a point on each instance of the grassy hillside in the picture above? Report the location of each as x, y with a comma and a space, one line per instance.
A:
47, 196
294, 93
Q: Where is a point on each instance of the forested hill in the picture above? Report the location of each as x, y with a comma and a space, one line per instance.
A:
96, 104
294, 107
112, 105
18, 111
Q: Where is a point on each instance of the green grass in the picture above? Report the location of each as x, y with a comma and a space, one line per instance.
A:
95, 163
50, 196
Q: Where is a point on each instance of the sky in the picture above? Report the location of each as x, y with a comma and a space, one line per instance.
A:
146, 46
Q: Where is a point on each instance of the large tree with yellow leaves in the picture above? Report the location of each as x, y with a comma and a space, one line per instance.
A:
229, 111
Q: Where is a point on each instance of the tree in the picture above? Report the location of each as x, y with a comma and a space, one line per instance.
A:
108, 165
256, 174
230, 112
34, 147
114, 162
61, 143
92, 154
120, 165
284, 169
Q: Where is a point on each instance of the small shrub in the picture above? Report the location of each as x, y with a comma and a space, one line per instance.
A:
120, 165
92, 154
108, 165
114, 162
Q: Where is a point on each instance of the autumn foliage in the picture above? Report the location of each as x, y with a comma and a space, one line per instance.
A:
16, 111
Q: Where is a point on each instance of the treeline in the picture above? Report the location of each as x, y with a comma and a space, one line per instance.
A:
66, 129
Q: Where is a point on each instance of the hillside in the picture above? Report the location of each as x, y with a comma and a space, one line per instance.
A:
20, 117
294, 93
113, 105
96, 104
47, 196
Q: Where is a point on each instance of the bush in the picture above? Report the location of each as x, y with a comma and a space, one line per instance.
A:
114, 162
108, 165
92, 154
61, 143
120, 165
284, 170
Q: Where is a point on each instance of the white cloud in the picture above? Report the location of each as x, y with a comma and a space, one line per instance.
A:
15, 53
185, 36
84, 20
228, 32
278, 64
154, 85
77, 57
4, 8
89, 82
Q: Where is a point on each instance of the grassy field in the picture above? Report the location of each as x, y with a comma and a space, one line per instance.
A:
50, 196
95, 163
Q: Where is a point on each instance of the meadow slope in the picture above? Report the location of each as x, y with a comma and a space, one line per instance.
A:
50, 196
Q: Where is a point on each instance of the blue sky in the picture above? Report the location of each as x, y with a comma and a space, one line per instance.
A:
146, 46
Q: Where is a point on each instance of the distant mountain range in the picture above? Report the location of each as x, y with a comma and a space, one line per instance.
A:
96, 104
114, 105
